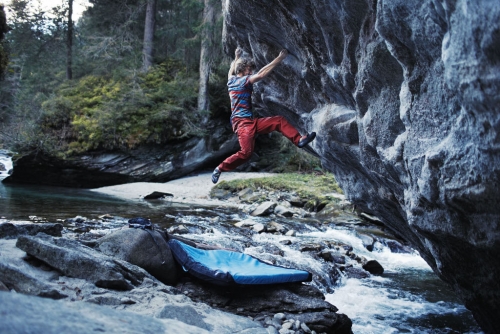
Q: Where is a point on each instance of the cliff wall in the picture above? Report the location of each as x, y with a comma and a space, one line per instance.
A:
404, 97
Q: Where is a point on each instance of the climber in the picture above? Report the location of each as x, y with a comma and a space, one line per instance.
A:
245, 125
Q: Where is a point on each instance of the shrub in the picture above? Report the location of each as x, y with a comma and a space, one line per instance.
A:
101, 112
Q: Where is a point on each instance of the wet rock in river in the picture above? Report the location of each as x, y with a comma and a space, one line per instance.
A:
367, 241
373, 267
300, 302
307, 247
178, 229
245, 223
76, 260
264, 209
332, 256
259, 228
144, 248
397, 247
275, 227
11, 231
353, 272
283, 211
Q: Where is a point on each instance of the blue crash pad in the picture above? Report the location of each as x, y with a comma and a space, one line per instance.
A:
225, 267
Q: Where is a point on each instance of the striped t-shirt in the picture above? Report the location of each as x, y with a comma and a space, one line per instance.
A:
240, 92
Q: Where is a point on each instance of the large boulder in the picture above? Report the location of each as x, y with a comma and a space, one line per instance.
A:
405, 99
76, 260
28, 314
144, 248
302, 302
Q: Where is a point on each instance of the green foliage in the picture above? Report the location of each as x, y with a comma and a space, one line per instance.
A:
310, 187
102, 112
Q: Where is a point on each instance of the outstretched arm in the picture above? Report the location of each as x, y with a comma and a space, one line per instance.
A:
266, 70
232, 69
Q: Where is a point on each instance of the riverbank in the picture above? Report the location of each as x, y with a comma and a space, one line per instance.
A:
333, 247
193, 189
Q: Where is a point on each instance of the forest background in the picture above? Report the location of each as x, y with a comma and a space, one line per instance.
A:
127, 73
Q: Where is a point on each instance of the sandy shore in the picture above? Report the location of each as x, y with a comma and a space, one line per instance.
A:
191, 189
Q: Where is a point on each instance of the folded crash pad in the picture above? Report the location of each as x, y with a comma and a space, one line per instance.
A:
225, 267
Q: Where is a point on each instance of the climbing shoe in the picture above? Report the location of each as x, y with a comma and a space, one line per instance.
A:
309, 138
215, 175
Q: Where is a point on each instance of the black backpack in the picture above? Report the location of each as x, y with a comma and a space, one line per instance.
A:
142, 223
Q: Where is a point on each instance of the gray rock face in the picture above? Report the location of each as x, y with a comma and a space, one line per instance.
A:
404, 97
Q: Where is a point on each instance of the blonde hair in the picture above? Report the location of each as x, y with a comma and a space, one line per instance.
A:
243, 63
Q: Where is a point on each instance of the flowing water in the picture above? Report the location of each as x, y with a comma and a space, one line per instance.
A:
407, 298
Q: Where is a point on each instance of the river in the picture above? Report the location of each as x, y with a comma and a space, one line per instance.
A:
407, 298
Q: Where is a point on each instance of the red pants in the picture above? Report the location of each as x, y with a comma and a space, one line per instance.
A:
247, 128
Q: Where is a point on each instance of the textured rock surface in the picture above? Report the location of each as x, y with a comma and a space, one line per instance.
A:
48, 316
149, 298
404, 96
153, 163
11, 230
138, 247
302, 302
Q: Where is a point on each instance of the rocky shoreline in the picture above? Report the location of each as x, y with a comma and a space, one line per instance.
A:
85, 260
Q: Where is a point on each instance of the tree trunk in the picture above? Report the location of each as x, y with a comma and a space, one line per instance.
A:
69, 42
206, 55
149, 32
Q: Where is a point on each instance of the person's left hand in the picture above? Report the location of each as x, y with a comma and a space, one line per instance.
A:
283, 54
238, 52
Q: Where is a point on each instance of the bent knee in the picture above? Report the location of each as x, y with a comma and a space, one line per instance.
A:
245, 154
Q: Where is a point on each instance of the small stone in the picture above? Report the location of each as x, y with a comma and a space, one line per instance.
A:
272, 330
259, 228
287, 325
246, 222
290, 233
373, 267
304, 327
310, 247
157, 195
280, 316
282, 211
264, 209
286, 331
286, 242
